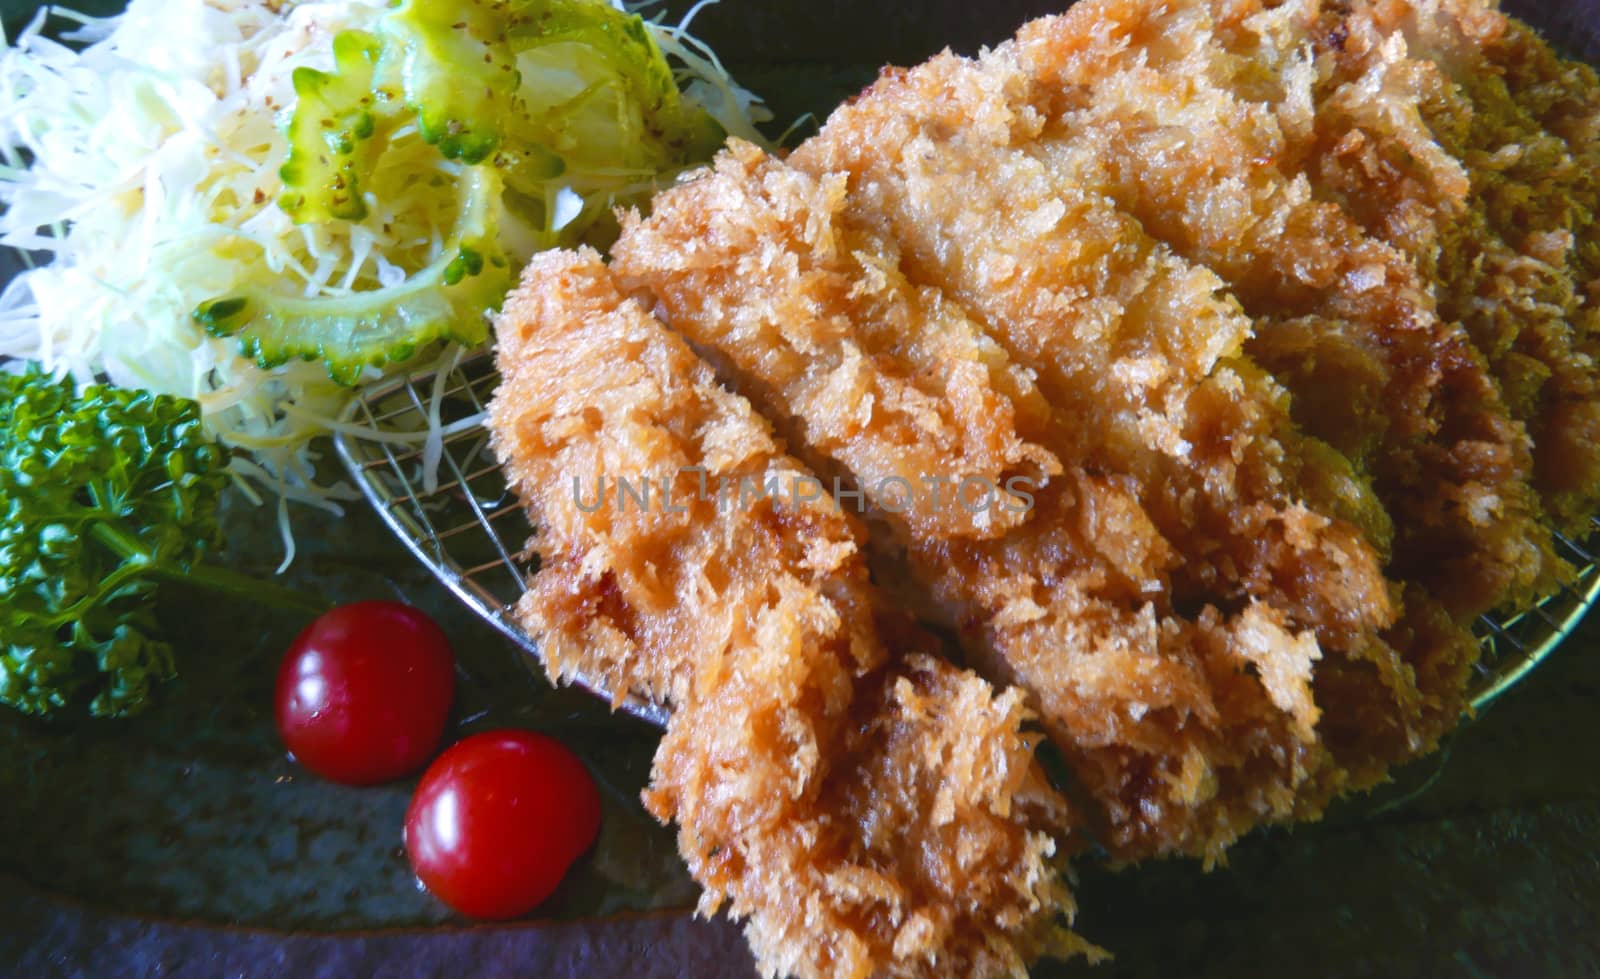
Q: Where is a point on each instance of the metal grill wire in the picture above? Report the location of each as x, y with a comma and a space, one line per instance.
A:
470, 529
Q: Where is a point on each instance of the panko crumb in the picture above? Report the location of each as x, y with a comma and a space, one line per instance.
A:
1284, 314
866, 809
1080, 603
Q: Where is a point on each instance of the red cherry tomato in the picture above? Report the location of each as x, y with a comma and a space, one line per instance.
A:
498, 819
364, 692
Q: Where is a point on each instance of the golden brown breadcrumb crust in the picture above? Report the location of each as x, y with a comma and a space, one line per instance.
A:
1497, 208
866, 811
1206, 138
895, 382
1284, 316
1186, 726
1023, 188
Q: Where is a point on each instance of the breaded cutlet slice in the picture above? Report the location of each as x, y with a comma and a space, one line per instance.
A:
1197, 118
1481, 160
1168, 599
891, 381
1139, 350
867, 810
966, 162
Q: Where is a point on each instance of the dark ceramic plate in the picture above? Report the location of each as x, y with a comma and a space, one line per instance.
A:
184, 843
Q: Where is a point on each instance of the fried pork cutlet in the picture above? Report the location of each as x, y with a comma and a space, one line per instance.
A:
1238, 315
1170, 596
1197, 118
869, 811
1480, 158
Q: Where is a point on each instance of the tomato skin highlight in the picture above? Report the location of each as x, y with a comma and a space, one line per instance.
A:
364, 693
497, 821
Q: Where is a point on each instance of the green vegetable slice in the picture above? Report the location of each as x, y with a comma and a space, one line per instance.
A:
629, 110
331, 134
449, 299
455, 71
536, 100
463, 68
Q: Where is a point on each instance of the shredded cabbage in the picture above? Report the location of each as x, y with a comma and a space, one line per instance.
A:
142, 155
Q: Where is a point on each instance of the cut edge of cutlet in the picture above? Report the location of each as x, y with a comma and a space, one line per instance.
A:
864, 811
936, 404
1215, 751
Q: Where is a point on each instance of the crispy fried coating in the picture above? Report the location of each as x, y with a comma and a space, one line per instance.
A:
1482, 162
867, 811
1200, 120
1268, 329
907, 860
1137, 350
1164, 601
892, 382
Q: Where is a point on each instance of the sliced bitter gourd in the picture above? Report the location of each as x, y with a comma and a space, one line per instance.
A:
448, 299
332, 134
649, 123
455, 70
459, 65
535, 100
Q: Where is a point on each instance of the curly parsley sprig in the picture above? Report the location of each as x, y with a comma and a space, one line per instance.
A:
104, 494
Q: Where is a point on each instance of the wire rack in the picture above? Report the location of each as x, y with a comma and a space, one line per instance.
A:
471, 531
465, 525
